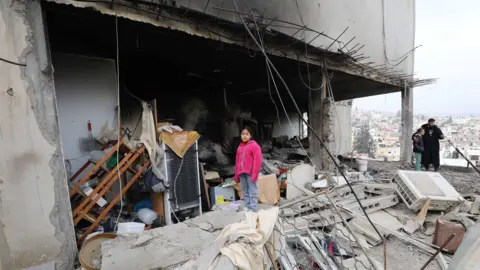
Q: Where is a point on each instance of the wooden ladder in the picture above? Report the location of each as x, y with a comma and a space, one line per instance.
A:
107, 179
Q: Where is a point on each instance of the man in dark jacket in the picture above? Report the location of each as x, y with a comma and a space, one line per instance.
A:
431, 153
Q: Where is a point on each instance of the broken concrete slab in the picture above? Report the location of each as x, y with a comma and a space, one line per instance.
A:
215, 220
379, 189
346, 239
362, 226
373, 204
160, 248
360, 263
328, 216
342, 194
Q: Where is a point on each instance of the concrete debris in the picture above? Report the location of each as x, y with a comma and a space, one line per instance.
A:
215, 220
328, 216
363, 227
268, 167
166, 247
379, 189
415, 224
160, 248
475, 200
360, 263
342, 196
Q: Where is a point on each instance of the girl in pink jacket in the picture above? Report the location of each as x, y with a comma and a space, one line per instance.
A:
247, 168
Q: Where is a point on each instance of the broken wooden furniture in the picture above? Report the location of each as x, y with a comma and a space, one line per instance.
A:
106, 181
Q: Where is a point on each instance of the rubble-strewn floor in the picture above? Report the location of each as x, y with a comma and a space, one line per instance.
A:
463, 180
401, 256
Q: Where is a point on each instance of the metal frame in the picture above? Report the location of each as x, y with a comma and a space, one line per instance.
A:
166, 198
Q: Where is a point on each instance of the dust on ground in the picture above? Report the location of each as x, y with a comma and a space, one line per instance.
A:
462, 179
401, 256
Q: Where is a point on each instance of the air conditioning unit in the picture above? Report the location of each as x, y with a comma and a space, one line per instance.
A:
416, 187
183, 176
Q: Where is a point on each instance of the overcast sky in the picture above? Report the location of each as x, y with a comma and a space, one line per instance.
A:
450, 34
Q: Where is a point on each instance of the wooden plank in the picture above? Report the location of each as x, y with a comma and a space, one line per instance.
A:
110, 183
94, 169
114, 201
79, 171
205, 186
112, 174
158, 205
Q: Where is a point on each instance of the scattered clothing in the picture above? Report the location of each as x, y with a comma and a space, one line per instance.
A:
431, 153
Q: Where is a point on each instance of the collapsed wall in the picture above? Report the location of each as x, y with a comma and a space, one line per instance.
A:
35, 216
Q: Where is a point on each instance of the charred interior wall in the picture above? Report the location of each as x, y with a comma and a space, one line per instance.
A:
35, 216
86, 90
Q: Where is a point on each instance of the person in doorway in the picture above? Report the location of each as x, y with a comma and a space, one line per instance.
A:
431, 144
418, 147
247, 168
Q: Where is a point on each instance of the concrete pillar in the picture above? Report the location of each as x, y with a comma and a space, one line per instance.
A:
323, 122
316, 122
36, 225
328, 135
407, 125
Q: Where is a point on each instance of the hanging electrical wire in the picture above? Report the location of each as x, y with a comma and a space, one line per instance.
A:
118, 117
272, 67
11, 62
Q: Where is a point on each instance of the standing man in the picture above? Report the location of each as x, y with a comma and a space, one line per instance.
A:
431, 153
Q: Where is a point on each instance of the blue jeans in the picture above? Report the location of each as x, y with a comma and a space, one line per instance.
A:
249, 191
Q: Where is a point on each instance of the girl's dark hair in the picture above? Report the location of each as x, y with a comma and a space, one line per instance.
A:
419, 130
249, 129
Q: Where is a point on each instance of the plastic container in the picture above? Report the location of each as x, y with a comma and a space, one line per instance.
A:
362, 164
90, 253
443, 230
130, 227
147, 216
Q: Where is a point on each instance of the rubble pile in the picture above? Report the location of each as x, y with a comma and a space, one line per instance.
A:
420, 210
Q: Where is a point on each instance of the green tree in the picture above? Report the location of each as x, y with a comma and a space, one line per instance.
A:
363, 142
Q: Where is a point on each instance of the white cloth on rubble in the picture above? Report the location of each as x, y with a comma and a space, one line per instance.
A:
247, 239
149, 139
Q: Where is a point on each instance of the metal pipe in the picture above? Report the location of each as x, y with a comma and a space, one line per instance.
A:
438, 251
346, 44
337, 38
469, 162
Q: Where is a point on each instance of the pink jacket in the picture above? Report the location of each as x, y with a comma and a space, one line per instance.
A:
249, 160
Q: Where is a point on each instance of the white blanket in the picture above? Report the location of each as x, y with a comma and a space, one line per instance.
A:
247, 239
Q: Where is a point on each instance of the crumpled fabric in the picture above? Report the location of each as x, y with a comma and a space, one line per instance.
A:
246, 240
148, 138
179, 141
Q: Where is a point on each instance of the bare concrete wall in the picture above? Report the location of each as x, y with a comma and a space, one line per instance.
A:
86, 90
35, 220
366, 19
342, 123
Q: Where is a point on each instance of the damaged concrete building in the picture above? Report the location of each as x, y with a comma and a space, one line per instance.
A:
66, 63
